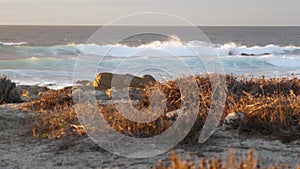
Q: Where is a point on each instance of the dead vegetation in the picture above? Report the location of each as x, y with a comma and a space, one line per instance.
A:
56, 117
271, 106
232, 162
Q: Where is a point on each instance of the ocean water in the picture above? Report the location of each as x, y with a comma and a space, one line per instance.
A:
56, 56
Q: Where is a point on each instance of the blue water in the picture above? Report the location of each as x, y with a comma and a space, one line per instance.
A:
268, 51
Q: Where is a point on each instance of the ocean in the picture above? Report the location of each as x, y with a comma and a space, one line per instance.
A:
57, 56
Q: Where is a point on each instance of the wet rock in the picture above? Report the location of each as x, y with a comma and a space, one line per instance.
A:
252, 54
8, 91
233, 121
104, 81
247, 54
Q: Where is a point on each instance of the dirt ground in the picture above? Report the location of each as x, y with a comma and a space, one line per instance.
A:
18, 149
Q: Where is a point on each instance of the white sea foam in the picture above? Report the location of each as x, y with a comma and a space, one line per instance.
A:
179, 48
176, 48
44, 65
233, 49
173, 47
12, 43
284, 61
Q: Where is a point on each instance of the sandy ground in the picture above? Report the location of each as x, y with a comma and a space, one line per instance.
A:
18, 149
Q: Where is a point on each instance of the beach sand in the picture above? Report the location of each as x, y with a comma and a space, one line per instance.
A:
19, 149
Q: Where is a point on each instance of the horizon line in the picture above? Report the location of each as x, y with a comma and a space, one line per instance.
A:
95, 25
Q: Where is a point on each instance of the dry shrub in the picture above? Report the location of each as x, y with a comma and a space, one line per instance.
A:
127, 127
51, 99
113, 114
270, 105
56, 117
233, 162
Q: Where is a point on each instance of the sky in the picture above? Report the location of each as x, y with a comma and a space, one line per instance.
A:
198, 12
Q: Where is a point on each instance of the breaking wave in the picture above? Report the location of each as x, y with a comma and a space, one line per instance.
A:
173, 47
12, 43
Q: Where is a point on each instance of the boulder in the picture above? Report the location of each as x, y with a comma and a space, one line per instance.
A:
104, 81
81, 96
233, 121
28, 93
8, 91
84, 83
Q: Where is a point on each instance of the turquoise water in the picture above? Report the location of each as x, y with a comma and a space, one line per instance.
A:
55, 60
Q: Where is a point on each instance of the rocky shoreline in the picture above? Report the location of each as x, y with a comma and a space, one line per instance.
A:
20, 149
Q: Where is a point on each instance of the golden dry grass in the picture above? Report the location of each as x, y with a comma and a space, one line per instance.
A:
56, 117
233, 162
271, 106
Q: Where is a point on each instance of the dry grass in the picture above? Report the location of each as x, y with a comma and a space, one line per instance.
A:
272, 107
56, 117
233, 162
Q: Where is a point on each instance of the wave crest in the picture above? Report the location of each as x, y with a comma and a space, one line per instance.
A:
12, 43
233, 49
171, 47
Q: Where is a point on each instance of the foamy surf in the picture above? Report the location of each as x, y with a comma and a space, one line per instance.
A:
12, 43
233, 49
174, 47
53, 66
179, 48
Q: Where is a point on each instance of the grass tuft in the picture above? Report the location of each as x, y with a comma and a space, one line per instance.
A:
251, 162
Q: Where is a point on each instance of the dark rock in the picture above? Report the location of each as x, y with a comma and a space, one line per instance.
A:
104, 81
28, 92
119, 94
84, 83
247, 54
8, 91
251, 54
80, 95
